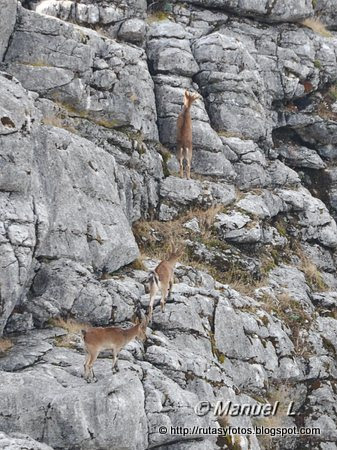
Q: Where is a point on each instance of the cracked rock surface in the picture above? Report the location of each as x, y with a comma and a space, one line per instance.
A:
90, 93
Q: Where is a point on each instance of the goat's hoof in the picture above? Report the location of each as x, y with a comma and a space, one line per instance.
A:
94, 380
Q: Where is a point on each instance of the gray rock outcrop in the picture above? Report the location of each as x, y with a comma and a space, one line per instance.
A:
90, 200
59, 199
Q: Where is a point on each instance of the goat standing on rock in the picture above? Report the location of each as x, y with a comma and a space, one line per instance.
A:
162, 278
109, 338
184, 134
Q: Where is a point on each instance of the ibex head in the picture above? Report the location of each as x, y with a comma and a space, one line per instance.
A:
141, 335
176, 252
189, 98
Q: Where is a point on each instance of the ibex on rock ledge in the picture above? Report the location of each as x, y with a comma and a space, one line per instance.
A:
184, 134
162, 278
109, 338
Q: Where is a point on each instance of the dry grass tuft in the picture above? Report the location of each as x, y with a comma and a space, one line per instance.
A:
57, 122
154, 237
324, 108
312, 274
154, 240
138, 264
282, 393
237, 278
206, 217
232, 134
316, 25
69, 325
332, 93
166, 156
71, 339
5, 344
293, 314
38, 63
67, 341
286, 308
158, 16
102, 31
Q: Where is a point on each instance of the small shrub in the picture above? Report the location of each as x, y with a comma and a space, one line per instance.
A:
138, 264
158, 16
166, 155
268, 262
106, 276
66, 341
281, 227
332, 93
292, 313
216, 352
324, 108
154, 237
317, 64
5, 344
216, 243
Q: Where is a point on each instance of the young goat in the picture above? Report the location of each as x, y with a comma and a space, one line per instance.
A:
184, 134
110, 338
162, 278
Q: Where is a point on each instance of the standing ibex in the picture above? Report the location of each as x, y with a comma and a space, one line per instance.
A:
162, 278
109, 338
184, 134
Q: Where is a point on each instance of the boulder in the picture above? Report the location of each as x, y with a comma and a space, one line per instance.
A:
177, 193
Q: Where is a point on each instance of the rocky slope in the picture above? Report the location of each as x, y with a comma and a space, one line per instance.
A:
90, 94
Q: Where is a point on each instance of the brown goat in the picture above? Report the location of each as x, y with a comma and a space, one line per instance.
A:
109, 338
162, 278
184, 134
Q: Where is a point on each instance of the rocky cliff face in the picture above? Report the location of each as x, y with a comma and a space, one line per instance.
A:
90, 92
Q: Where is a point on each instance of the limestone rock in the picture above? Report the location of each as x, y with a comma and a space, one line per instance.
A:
132, 30
83, 157
52, 73
7, 22
18, 441
301, 157
65, 201
225, 63
278, 12
177, 193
